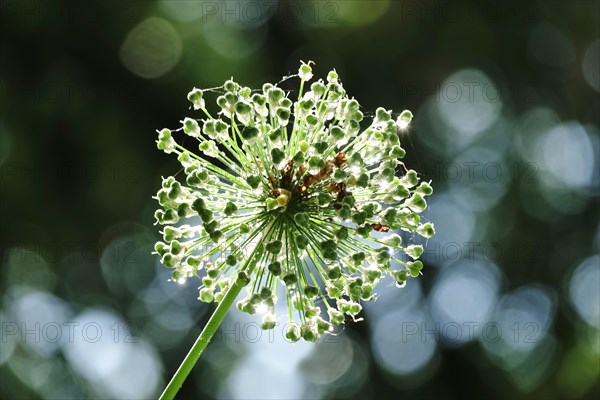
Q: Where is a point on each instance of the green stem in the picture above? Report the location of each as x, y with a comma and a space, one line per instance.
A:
205, 336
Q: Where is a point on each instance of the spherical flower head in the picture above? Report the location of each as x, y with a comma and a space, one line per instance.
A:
299, 197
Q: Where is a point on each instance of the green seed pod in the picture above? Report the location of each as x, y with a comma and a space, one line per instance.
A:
191, 127
414, 268
196, 98
253, 181
364, 230
243, 108
301, 242
339, 174
176, 247
290, 279
292, 332
298, 157
362, 181
426, 230
168, 260
333, 292
404, 119
414, 251
344, 212
277, 155
425, 189
231, 260
311, 291
334, 272
211, 226
372, 274
342, 233
301, 219
416, 203
308, 334
330, 255
160, 248
212, 272
274, 246
194, 261
259, 99
337, 133
199, 205
323, 199
208, 282
410, 179
320, 147
250, 133
266, 293
230, 209
359, 217
206, 215
206, 295
243, 279
216, 236
358, 258
316, 162
335, 317
275, 268
397, 152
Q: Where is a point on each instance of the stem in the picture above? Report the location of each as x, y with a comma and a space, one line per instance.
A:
198, 348
213, 323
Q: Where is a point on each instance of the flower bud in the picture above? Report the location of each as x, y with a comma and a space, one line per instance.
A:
196, 98
305, 72
404, 119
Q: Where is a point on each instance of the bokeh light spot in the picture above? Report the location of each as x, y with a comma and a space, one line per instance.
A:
520, 323
584, 290
466, 295
328, 360
26, 267
566, 156
10, 337
117, 364
233, 41
454, 226
352, 12
41, 319
398, 343
125, 260
152, 48
550, 47
591, 65
469, 102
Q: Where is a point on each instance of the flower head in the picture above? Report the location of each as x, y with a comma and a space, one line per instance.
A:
294, 195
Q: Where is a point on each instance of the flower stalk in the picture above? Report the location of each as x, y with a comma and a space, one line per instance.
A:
201, 342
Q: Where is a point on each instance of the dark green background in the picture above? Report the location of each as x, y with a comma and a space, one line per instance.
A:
84, 87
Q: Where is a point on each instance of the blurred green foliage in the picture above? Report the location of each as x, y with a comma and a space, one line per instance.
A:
506, 105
